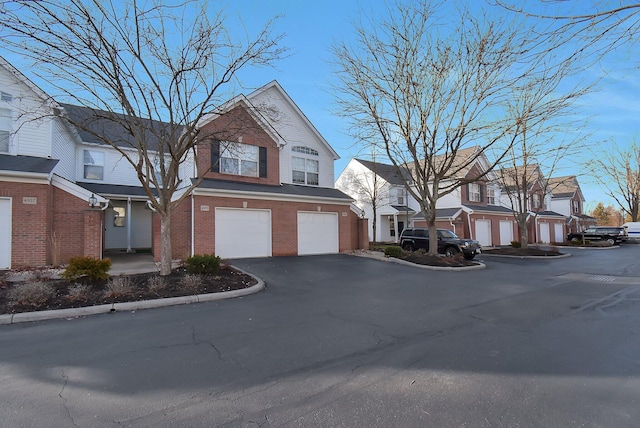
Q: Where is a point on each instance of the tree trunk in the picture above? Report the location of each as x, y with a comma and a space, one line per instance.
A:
524, 230
165, 243
433, 232
374, 224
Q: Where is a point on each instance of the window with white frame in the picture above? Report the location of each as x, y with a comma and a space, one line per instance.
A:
6, 97
536, 201
491, 195
576, 207
5, 129
239, 159
474, 192
400, 196
305, 169
93, 163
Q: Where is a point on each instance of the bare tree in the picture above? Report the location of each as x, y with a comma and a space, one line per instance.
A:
368, 189
545, 136
618, 171
150, 68
425, 90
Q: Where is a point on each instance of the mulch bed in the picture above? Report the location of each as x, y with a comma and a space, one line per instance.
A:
99, 292
439, 261
522, 252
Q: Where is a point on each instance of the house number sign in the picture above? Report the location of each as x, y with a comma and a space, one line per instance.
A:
29, 200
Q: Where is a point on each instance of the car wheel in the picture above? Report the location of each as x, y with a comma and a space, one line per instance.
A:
408, 247
611, 241
450, 252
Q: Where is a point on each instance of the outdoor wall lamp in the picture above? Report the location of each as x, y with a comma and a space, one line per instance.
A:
93, 201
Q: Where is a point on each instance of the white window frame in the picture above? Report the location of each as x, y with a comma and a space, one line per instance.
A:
239, 159
400, 196
310, 175
491, 195
576, 206
98, 161
535, 198
474, 192
5, 129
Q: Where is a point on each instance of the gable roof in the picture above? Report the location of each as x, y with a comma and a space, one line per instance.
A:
564, 187
22, 78
389, 173
112, 126
277, 87
511, 177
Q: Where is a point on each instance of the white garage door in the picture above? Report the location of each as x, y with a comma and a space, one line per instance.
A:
317, 233
545, 238
5, 233
506, 232
242, 233
483, 232
559, 232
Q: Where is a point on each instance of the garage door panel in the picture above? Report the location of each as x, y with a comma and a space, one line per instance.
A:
317, 233
5, 233
242, 233
506, 232
483, 232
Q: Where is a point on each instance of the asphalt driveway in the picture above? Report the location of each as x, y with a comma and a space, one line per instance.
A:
347, 341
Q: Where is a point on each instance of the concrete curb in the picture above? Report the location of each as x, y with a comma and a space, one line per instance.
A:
407, 263
561, 256
7, 319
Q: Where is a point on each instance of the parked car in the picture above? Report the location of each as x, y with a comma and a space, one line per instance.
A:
448, 242
633, 231
614, 235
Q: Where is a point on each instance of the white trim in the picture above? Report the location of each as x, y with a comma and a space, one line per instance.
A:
24, 177
76, 190
10, 224
269, 196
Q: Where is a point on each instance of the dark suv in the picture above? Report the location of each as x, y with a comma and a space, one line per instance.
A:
448, 242
613, 235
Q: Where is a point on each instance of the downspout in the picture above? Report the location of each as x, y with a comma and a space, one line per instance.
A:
129, 224
469, 221
452, 225
193, 214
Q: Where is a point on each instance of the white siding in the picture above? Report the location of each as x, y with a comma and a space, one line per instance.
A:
296, 132
561, 206
31, 125
63, 149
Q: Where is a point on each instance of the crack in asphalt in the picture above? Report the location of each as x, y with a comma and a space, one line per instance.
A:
64, 400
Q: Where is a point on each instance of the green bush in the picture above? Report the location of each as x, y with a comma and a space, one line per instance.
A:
93, 269
203, 264
516, 244
393, 252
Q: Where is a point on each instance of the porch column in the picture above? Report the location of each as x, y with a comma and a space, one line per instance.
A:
395, 226
129, 225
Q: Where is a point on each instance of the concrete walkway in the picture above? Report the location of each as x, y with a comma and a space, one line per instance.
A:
128, 264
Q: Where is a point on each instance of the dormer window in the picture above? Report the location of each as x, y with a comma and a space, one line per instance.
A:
228, 157
536, 201
474, 192
576, 207
305, 166
491, 195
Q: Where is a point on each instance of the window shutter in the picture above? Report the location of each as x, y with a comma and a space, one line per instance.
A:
468, 192
215, 156
262, 162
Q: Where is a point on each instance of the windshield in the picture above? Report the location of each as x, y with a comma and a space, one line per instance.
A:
447, 234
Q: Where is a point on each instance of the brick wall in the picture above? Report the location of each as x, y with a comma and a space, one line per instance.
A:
235, 126
31, 222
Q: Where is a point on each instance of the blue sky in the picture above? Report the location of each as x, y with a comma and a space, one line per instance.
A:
312, 27
610, 114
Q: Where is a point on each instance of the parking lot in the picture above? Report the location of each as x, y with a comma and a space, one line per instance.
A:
340, 340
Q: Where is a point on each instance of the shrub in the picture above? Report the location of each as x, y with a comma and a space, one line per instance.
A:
203, 264
79, 293
393, 251
93, 269
119, 286
157, 284
191, 283
516, 244
31, 294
